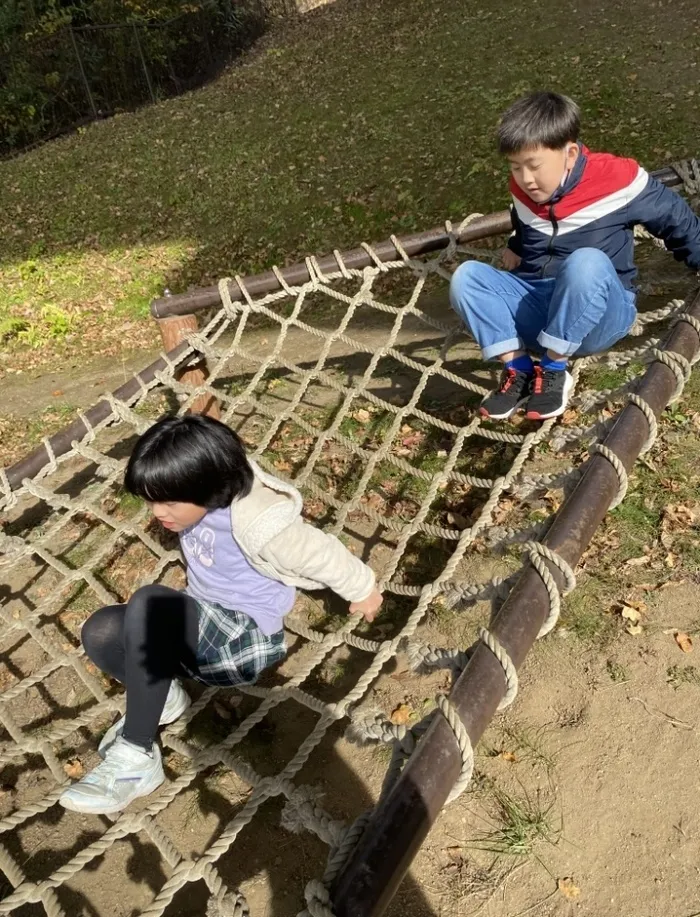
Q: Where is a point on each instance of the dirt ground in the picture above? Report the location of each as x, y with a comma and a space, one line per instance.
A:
583, 800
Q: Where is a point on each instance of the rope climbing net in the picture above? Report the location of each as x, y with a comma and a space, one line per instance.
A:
360, 387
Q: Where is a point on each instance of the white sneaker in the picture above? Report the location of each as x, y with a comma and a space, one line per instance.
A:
126, 773
177, 701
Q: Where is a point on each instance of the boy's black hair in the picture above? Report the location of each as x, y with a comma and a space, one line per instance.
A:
190, 459
540, 119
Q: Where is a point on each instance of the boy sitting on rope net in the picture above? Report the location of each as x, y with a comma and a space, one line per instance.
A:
567, 288
246, 549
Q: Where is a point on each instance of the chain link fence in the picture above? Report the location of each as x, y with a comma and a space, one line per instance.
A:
78, 74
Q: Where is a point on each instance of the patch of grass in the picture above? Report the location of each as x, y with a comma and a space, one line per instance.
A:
103, 219
81, 552
583, 614
333, 671
129, 503
11, 327
51, 419
605, 377
520, 823
20, 434
637, 517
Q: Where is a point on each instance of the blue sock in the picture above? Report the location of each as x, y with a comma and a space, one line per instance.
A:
522, 363
547, 363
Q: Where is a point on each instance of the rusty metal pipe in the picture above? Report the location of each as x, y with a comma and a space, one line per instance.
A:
61, 442
187, 303
494, 224
374, 871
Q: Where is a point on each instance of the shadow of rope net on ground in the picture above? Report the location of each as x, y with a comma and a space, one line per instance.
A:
361, 388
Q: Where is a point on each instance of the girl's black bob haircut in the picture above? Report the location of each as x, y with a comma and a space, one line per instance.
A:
190, 459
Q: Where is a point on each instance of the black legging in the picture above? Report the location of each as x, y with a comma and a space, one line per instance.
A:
144, 645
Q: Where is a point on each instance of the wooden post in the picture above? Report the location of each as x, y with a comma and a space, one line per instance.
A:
174, 330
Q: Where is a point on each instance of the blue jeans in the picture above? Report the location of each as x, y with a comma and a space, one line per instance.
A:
583, 310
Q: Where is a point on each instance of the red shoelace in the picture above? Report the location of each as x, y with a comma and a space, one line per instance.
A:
507, 380
538, 381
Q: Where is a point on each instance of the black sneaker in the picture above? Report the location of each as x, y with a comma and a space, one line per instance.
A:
549, 393
512, 393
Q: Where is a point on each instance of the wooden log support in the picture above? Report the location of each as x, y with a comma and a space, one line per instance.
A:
173, 331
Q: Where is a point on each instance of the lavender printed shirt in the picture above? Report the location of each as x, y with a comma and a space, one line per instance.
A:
218, 572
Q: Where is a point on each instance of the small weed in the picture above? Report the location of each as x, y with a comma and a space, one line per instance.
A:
333, 671
440, 613
618, 673
12, 327
677, 675
520, 823
530, 742
55, 324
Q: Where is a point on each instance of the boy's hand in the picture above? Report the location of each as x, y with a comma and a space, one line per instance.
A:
368, 607
510, 260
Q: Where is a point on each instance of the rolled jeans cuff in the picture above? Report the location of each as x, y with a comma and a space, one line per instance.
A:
495, 350
565, 348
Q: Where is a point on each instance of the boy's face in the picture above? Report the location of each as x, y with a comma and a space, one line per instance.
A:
539, 170
177, 516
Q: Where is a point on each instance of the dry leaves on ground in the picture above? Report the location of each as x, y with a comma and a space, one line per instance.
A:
74, 768
401, 715
684, 641
567, 887
631, 610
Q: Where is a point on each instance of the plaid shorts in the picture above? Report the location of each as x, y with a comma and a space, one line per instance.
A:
232, 649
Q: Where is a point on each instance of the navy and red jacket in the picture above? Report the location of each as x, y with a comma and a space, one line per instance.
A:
597, 206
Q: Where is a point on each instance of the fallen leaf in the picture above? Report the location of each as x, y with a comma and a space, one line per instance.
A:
454, 853
57, 393
683, 641
567, 888
630, 614
282, 465
508, 756
74, 768
361, 415
401, 715
222, 711
413, 439
638, 561
666, 539
553, 497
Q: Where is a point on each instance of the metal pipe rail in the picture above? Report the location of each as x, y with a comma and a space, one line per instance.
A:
399, 826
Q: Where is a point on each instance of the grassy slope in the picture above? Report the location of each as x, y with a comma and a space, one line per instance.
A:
362, 120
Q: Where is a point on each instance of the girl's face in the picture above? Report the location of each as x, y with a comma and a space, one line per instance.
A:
177, 516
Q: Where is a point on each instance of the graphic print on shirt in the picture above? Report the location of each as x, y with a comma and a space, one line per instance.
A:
199, 545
